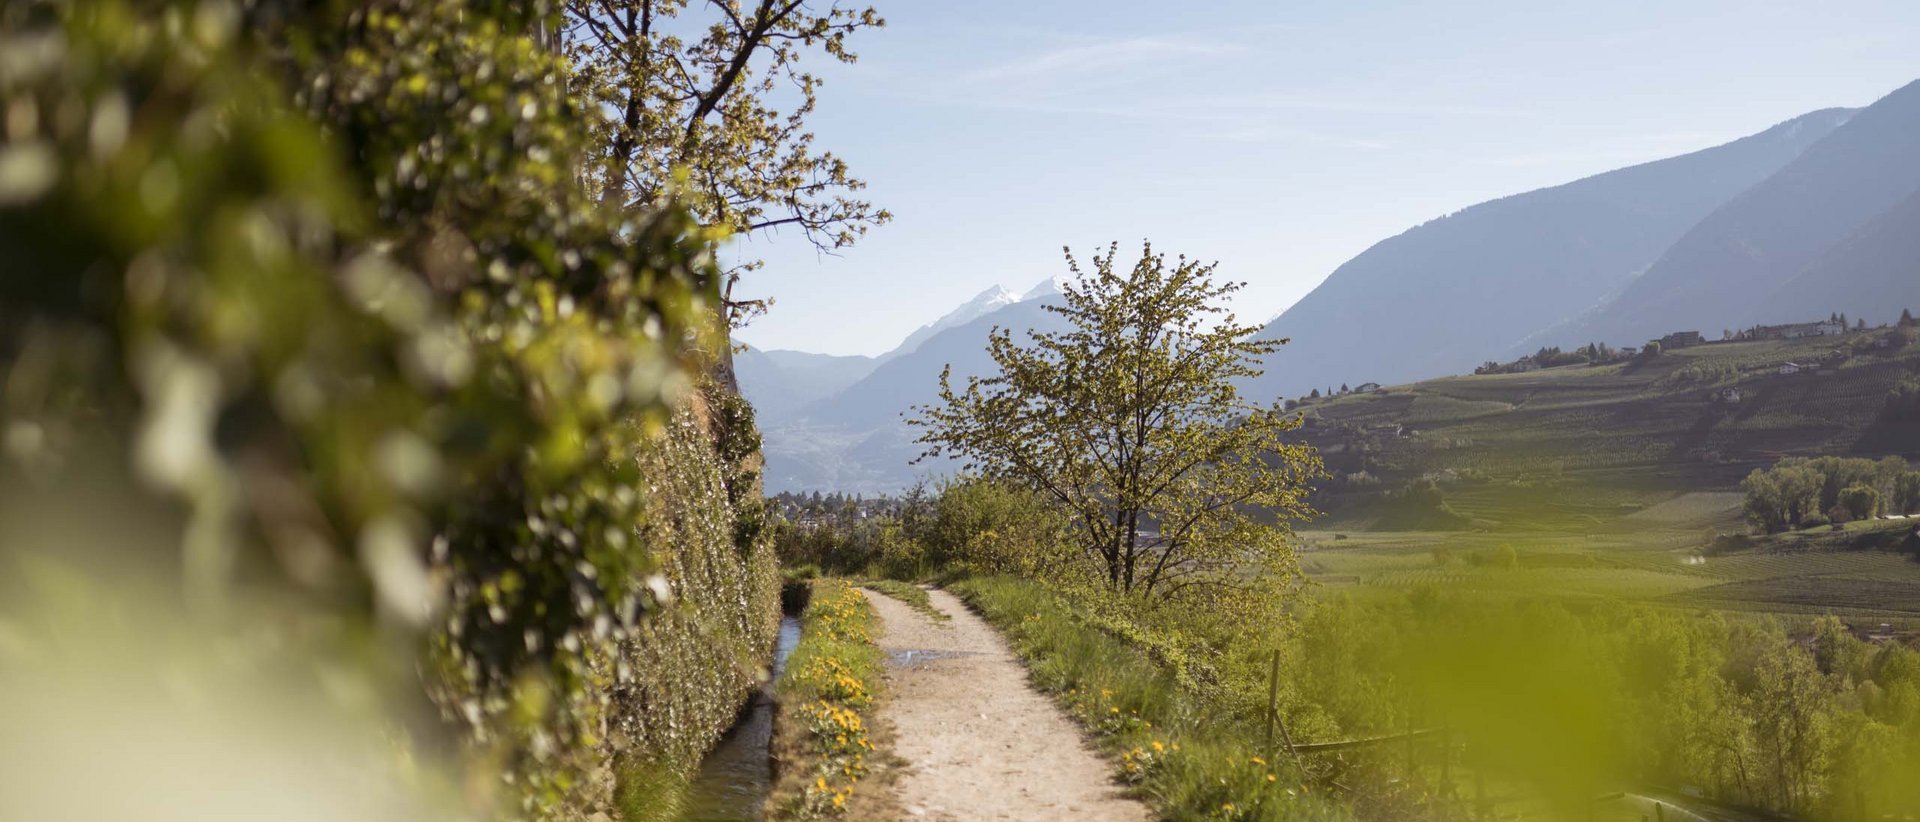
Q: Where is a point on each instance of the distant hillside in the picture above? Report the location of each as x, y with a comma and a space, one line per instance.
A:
857, 440
1461, 289
1729, 270
914, 378
1557, 448
1871, 275
779, 383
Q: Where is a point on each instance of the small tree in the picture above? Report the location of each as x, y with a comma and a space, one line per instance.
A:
1860, 502
1906, 493
1129, 421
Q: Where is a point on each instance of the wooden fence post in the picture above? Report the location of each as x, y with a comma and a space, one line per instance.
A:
1273, 711
1273, 700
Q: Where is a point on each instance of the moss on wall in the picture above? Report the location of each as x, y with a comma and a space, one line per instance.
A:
687, 671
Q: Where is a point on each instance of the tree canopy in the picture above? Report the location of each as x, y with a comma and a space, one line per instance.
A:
696, 89
1130, 421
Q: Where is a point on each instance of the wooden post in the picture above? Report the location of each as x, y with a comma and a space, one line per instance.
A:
1273, 712
1273, 700
1411, 724
1660, 811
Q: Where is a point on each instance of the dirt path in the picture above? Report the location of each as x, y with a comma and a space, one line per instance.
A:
979, 742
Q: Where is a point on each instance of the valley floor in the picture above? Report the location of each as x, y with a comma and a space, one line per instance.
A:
978, 742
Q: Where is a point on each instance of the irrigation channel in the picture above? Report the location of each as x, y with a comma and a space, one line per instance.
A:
737, 774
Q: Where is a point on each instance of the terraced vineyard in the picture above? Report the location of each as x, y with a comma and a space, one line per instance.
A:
1609, 481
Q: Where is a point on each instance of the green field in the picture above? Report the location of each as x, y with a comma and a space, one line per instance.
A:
1609, 481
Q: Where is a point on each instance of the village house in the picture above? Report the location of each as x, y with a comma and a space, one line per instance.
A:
1367, 386
1682, 339
1791, 368
1730, 396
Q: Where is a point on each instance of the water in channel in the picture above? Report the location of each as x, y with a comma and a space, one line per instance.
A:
737, 774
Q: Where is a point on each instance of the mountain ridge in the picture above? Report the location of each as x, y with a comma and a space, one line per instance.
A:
1454, 291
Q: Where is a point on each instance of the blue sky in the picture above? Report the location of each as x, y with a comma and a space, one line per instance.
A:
1278, 138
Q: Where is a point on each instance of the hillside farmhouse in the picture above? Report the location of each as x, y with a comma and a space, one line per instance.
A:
1682, 339
1791, 368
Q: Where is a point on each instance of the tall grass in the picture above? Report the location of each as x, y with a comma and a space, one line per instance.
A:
1171, 744
913, 595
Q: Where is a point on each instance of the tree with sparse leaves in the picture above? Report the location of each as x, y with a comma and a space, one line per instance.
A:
1130, 422
692, 87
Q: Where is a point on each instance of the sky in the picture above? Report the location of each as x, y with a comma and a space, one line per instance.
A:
1277, 138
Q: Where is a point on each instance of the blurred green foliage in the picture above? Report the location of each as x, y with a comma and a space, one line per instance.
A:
1554, 703
326, 276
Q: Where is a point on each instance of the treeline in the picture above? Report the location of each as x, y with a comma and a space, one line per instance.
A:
966, 526
1552, 356
1800, 492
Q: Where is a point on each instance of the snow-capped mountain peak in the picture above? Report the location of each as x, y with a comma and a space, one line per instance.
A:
1045, 288
982, 304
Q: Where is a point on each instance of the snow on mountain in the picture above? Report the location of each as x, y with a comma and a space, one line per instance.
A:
982, 304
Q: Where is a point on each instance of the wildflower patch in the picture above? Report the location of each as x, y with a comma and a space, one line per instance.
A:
826, 698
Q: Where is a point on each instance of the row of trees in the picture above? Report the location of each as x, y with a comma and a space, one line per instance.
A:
1552, 356
1800, 492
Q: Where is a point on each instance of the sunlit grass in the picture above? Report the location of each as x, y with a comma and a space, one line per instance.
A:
1172, 747
913, 595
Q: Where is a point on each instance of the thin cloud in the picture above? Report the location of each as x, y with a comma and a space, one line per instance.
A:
1103, 57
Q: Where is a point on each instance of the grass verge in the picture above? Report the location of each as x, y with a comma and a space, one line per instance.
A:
1166, 741
826, 700
913, 595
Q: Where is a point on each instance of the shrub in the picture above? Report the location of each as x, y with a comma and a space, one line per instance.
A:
995, 528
